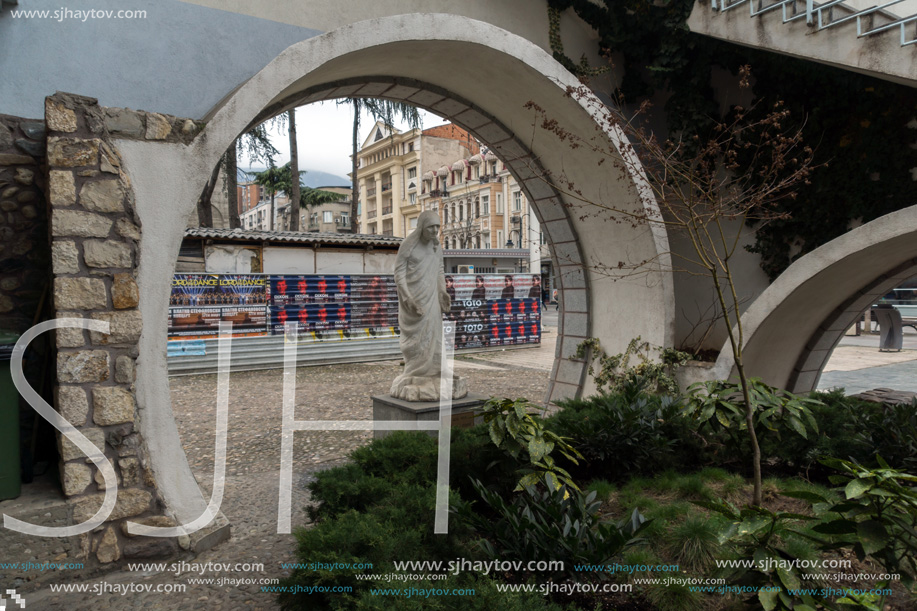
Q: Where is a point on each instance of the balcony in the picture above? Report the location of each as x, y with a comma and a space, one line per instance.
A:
386, 210
386, 186
490, 178
439, 193
370, 191
342, 223
370, 214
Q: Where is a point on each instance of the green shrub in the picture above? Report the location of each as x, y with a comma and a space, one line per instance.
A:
407, 458
549, 525
853, 429
516, 428
627, 433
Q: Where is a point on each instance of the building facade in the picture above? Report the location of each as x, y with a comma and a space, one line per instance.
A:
390, 166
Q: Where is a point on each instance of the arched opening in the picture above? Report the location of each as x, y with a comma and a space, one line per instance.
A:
475, 75
794, 325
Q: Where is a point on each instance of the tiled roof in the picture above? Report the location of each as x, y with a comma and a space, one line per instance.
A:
294, 237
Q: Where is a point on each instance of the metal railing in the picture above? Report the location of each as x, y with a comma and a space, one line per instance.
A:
386, 186
822, 16
386, 210
370, 214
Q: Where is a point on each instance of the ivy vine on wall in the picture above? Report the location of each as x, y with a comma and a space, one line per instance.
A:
862, 128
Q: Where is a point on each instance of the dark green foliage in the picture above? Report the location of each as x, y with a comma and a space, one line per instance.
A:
856, 124
379, 468
878, 516
853, 429
628, 433
515, 428
616, 374
759, 534
549, 525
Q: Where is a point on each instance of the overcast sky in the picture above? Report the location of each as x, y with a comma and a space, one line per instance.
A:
324, 133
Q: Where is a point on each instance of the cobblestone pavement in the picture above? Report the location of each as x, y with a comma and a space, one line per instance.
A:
253, 450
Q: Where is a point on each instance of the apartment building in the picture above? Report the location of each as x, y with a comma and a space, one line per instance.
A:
391, 164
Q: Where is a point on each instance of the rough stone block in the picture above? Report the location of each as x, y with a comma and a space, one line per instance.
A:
126, 327
69, 451
100, 480
73, 404
124, 370
61, 188
108, 549
112, 405
76, 478
126, 122
79, 293
59, 117
69, 337
82, 366
124, 292
127, 229
65, 258
72, 223
103, 196
10, 159
24, 176
6, 137
150, 548
157, 127
131, 502
104, 253
130, 471
72, 152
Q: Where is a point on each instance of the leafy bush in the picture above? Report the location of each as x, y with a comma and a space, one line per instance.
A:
853, 429
380, 467
878, 516
550, 525
719, 409
628, 433
758, 535
615, 372
515, 429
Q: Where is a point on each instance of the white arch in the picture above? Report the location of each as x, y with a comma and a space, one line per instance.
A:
793, 326
486, 94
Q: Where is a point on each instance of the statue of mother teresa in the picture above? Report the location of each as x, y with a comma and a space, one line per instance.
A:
422, 300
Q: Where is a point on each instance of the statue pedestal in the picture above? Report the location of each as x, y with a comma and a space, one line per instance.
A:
386, 407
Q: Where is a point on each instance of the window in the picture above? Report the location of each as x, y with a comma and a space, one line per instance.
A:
485, 205
445, 214
327, 216
499, 203
477, 172
345, 219
413, 198
412, 172
410, 146
517, 200
412, 224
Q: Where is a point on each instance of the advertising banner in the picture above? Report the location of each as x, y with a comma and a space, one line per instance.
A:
487, 310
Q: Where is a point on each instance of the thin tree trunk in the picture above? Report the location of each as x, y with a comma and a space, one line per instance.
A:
271, 220
232, 186
204, 211
354, 205
294, 173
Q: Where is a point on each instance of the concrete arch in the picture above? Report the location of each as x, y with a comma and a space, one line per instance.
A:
795, 324
478, 76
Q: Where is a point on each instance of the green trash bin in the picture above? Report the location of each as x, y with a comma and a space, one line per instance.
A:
10, 477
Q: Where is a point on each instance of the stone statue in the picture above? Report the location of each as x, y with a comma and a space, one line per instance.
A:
422, 300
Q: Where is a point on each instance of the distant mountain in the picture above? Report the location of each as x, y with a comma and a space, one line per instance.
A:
312, 178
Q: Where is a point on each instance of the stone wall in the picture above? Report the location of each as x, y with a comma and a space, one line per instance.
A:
24, 250
95, 238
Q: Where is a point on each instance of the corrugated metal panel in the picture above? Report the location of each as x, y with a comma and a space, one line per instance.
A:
252, 353
295, 237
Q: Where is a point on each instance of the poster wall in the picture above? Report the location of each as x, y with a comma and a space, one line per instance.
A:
488, 310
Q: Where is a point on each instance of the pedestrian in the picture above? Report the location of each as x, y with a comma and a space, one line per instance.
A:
556, 303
